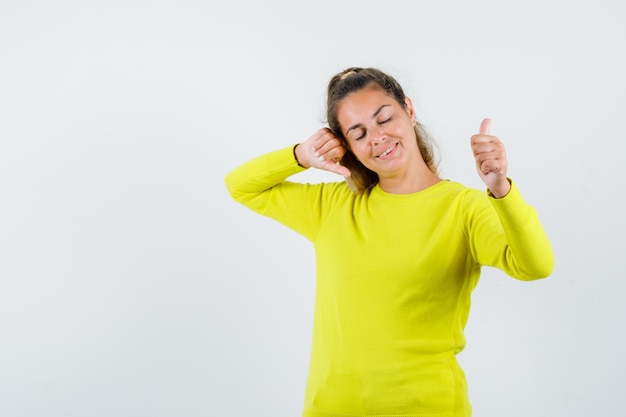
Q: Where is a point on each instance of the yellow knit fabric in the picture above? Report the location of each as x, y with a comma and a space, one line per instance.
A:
394, 279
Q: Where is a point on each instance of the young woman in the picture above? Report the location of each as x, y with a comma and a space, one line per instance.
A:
398, 249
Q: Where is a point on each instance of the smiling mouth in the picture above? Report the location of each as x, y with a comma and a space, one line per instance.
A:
388, 151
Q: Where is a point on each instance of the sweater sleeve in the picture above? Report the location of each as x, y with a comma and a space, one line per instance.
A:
261, 185
506, 233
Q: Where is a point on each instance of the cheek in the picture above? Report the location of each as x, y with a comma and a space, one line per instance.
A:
359, 149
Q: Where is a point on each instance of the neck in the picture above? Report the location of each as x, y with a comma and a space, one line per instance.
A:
409, 182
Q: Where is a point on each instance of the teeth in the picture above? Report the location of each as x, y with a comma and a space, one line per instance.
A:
386, 152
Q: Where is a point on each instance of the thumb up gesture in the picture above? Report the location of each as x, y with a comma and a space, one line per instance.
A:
491, 162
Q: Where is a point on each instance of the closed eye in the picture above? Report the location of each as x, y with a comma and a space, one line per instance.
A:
362, 133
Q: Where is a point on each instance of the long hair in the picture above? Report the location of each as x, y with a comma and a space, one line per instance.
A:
354, 79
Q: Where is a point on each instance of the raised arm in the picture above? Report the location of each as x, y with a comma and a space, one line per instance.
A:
262, 185
514, 239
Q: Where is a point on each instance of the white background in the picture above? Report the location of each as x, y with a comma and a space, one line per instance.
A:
132, 285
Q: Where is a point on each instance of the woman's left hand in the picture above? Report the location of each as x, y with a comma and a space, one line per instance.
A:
491, 162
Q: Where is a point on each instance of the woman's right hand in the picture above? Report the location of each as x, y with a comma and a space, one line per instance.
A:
323, 150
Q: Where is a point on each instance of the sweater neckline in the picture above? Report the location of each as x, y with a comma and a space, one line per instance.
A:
379, 192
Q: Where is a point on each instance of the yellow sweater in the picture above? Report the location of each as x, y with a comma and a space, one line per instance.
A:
394, 279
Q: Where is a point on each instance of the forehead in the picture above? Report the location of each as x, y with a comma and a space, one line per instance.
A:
363, 104
364, 97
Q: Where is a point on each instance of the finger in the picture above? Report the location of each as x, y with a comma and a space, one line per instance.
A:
325, 147
492, 165
324, 135
333, 155
331, 151
318, 139
486, 147
485, 126
310, 144
336, 168
484, 144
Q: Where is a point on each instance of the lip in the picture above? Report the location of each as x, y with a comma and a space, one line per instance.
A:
387, 153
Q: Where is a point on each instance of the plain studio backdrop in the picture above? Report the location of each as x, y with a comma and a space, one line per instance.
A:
132, 285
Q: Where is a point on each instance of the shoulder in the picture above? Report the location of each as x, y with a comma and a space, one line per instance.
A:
467, 201
460, 191
335, 191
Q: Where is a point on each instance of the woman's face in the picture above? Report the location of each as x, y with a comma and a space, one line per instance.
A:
379, 131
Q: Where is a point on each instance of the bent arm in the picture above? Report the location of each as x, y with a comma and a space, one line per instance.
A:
513, 240
260, 184
251, 183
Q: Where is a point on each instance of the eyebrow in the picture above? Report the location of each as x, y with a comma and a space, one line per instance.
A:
373, 117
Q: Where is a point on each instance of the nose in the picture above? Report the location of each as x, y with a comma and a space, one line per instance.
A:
378, 136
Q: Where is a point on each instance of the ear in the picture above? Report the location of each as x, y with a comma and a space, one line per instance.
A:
409, 108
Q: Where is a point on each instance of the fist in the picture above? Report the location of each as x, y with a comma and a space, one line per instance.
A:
323, 150
491, 161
